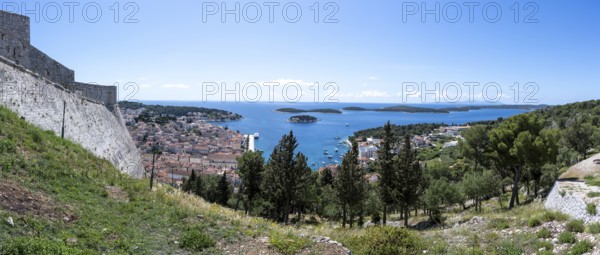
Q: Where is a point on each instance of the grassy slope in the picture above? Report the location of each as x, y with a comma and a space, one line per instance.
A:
71, 184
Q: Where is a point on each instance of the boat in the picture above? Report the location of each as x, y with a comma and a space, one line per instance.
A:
256, 135
330, 157
336, 149
325, 152
347, 124
337, 138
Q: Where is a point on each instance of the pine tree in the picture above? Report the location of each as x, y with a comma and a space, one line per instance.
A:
350, 186
286, 178
199, 186
475, 144
409, 178
251, 168
223, 189
387, 183
519, 145
578, 134
190, 183
326, 177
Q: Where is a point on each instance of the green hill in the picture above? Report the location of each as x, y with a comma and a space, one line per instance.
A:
63, 200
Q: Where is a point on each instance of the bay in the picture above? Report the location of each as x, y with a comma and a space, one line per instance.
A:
314, 138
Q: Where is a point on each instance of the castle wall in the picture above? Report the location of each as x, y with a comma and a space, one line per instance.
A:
87, 122
14, 37
49, 68
15, 45
104, 94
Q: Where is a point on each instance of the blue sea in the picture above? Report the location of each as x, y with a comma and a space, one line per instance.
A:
314, 138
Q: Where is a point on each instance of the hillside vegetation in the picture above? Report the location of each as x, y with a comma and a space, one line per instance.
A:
156, 111
57, 198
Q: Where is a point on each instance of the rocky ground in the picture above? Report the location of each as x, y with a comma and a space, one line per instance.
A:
260, 246
571, 195
480, 226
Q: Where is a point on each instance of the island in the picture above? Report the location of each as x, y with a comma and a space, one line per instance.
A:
398, 108
161, 114
294, 110
503, 106
415, 109
303, 119
355, 108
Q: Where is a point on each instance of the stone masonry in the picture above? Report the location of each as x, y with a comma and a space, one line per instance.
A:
15, 45
40, 89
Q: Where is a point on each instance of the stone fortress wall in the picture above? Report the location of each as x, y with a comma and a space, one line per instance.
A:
15, 45
40, 89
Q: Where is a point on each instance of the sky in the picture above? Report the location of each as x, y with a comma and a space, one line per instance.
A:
326, 51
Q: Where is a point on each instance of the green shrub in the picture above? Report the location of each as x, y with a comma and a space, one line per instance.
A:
544, 252
545, 246
575, 226
592, 180
549, 216
544, 233
509, 247
499, 223
594, 228
581, 247
386, 240
591, 209
566, 237
195, 240
28, 245
35, 136
7, 146
593, 194
534, 222
288, 243
376, 218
